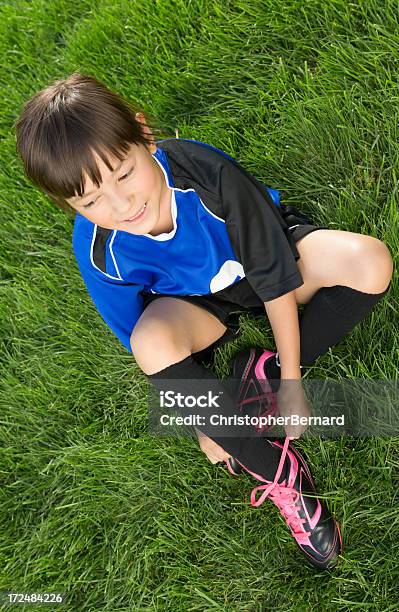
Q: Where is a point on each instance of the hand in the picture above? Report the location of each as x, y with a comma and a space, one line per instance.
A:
291, 400
213, 451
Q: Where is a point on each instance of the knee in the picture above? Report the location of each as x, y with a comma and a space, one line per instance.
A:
156, 345
378, 264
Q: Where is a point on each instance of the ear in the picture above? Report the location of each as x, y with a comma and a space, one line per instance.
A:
146, 131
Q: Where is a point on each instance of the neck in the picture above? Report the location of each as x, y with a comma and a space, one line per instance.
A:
165, 221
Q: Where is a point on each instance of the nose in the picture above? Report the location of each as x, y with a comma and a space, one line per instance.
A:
121, 204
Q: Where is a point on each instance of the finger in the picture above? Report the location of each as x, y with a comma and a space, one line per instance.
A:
293, 433
219, 457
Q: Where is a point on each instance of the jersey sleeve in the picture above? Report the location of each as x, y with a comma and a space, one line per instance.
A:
256, 231
120, 304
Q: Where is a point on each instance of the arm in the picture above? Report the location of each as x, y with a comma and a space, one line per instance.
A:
258, 238
283, 316
259, 235
119, 303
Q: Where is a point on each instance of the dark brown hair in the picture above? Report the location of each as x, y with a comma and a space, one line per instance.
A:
61, 126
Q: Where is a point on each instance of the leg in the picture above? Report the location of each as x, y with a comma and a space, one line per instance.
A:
345, 275
332, 257
164, 338
170, 330
276, 467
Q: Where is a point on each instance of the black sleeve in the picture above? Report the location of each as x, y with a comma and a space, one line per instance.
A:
258, 233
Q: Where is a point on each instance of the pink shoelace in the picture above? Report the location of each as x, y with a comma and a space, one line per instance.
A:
285, 499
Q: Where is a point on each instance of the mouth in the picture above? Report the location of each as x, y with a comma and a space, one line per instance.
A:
137, 217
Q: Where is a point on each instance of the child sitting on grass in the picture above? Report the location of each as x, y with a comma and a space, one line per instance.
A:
173, 240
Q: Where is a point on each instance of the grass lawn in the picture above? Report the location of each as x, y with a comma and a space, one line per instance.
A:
304, 93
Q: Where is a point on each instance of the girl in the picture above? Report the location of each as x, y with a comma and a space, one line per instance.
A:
173, 239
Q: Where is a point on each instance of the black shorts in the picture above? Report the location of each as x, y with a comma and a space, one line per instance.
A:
228, 304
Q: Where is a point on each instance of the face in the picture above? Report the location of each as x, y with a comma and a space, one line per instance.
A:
130, 198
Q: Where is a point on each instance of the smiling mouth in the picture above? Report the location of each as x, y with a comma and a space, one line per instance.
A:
138, 215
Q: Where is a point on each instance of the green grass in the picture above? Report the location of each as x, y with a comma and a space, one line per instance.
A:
305, 94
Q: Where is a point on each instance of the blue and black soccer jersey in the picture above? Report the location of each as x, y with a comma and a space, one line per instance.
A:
226, 226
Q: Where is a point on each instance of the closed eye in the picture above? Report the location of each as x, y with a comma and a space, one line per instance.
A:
121, 178
124, 176
88, 204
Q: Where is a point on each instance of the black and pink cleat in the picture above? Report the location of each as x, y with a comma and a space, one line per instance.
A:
315, 531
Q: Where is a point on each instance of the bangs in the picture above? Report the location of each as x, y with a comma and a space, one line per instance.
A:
63, 166
63, 126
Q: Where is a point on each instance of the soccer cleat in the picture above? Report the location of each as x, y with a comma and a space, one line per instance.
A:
252, 390
255, 394
314, 529
234, 467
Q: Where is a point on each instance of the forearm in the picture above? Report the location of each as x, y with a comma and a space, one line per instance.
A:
283, 316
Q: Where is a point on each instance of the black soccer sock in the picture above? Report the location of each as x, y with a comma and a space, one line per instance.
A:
329, 316
255, 453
